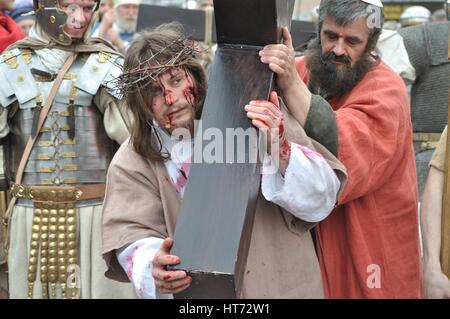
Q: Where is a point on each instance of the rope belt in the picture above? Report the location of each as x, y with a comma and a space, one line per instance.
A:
54, 233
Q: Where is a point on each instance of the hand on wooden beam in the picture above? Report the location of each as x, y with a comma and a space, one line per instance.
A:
167, 281
267, 116
281, 60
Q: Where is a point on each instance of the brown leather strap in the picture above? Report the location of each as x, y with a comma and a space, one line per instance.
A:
92, 191
44, 112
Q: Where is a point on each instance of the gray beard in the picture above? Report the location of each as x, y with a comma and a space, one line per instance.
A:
328, 81
127, 26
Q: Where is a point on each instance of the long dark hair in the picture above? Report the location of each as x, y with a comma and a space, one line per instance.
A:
144, 137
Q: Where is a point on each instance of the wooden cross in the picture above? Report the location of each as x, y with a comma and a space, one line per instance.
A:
193, 21
214, 226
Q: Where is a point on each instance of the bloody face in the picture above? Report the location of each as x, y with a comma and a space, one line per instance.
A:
173, 99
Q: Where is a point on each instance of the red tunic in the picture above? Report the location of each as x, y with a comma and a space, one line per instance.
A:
369, 245
9, 32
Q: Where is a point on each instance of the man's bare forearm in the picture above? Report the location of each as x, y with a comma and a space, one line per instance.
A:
431, 216
298, 101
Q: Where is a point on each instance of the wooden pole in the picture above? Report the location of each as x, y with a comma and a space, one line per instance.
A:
4, 228
3, 225
445, 241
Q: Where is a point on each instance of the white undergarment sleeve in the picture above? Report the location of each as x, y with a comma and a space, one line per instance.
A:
136, 259
309, 188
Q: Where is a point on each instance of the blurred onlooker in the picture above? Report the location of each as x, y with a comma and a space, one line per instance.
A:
24, 18
118, 25
9, 31
390, 25
167, 3
415, 15
315, 16
105, 6
206, 3
439, 16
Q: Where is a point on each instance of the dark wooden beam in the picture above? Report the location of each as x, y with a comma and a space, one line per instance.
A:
215, 222
193, 21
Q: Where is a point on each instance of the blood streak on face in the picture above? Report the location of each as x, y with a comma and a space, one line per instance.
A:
168, 93
173, 98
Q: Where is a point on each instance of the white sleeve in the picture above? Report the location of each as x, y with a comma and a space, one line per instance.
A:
393, 52
4, 128
309, 188
136, 260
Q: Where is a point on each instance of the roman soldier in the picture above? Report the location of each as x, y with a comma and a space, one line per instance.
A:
61, 122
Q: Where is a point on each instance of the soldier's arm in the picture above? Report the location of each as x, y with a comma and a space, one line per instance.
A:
116, 117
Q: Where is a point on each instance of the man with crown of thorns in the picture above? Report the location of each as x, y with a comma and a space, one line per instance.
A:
164, 86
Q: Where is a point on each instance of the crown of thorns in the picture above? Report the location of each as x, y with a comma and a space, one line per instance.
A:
138, 78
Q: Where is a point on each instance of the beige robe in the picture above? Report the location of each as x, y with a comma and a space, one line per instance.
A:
141, 201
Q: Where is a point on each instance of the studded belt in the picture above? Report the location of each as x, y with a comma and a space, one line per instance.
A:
58, 193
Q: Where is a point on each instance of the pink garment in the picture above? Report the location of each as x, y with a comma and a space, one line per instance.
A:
373, 233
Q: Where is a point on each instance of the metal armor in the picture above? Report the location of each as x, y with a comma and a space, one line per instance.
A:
71, 154
72, 146
427, 50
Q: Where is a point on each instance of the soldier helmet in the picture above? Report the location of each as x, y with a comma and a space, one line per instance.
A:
415, 15
52, 19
